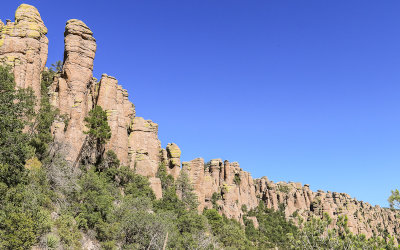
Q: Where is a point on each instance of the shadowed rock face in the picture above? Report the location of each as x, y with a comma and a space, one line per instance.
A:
24, 45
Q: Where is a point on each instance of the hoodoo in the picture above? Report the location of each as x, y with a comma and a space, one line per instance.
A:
220, 184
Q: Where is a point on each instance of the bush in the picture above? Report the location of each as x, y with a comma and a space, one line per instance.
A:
273, 227
214, 198
52, 241
228, 231
167, 181
236, 179
68, 231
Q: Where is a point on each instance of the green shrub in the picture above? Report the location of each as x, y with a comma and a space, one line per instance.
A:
236, 179
68, 231
52, 241
167, 181
284, 189
214, 198
273, 227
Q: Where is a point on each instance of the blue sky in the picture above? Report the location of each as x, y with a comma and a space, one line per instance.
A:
304, 91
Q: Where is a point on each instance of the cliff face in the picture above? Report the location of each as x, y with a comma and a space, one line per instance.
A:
221, 184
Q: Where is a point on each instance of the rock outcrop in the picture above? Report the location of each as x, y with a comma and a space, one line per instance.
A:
74, 91
120, 112
218, 184
235, 191
173, 162
144, 147
23, 46
195, 170
362, 217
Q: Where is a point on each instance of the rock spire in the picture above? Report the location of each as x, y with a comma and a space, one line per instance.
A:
219, 184
24, 46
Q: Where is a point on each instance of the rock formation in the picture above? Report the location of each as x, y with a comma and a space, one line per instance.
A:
173, 162
236, 188
74, 92
362, 217
195, 170
144, 147
220, 184
23, 46
120, 112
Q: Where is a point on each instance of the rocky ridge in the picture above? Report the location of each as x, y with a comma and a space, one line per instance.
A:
218, 183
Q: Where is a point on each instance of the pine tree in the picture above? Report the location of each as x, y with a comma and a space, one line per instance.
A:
99, 132
186, 190
16, 112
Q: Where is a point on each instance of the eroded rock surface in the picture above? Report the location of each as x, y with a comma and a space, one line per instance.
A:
74, 92
173, 160
144, 147
195, 170
24, 46
120, 112
218, 184
362, 217
234, 191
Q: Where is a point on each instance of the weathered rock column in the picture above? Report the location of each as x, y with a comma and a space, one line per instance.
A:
120, 112
24, 46
144, 147
73, 93
195, 170
174, 161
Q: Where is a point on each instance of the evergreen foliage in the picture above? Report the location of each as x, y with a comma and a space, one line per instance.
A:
98, 133
273, 227
98, 128
394, 199
45, 117
185, 188
16, 113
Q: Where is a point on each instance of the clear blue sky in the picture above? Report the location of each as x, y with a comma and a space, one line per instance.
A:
304, 91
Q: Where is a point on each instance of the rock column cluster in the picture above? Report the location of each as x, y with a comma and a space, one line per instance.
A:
219, 184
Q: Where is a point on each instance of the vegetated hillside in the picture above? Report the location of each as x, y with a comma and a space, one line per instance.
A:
79, 170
